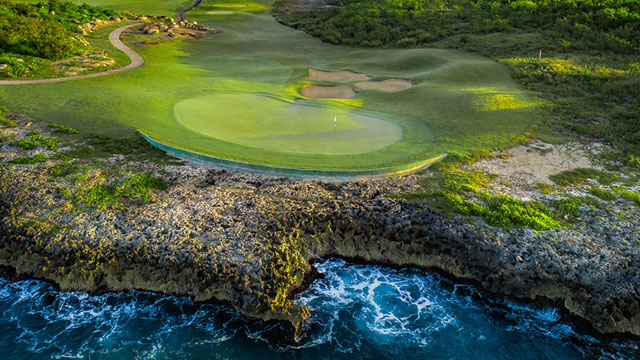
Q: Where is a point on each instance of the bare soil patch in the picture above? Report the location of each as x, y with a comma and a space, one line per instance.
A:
344, 75
328, 92
523, 166
84, 63
389, 85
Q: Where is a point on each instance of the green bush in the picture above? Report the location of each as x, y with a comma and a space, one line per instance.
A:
567, 206
26, 144
36, 159
602, 194
37, 37
634, 197
63, 129
49, 144
605, 25
61, 170
134, 188
20, 65
501, 210
507, 212
139, 186
581, 175
32, 34
6, 122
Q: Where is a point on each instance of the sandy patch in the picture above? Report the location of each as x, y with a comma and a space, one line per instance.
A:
345, 75
522, 166
328, 92
385, 85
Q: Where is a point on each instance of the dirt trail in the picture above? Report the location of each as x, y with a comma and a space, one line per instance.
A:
114, 37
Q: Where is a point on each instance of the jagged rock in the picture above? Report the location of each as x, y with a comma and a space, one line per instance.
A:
248, 239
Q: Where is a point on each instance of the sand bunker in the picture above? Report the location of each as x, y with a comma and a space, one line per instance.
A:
385, 85
315, 74
328, 92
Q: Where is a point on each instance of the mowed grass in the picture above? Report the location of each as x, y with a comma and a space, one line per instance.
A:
459, 103
267, 123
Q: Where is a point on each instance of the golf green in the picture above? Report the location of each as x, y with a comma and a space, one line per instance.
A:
236, 95
270, 124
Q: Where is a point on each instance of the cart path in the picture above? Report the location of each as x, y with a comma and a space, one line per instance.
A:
180, 15
114, 38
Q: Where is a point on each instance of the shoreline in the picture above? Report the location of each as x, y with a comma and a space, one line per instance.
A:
251, 240
326, 175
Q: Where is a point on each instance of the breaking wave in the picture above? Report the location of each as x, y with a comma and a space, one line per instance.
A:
359, 312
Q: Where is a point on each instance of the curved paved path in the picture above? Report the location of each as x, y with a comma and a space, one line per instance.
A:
180, 15
114, 37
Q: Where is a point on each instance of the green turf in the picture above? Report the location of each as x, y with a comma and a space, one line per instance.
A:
271, 124
229, 95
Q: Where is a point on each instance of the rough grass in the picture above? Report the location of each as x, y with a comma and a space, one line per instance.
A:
33, 140
568, 206
634, 197
61, 129
581, 175
61, 170
96, 146
457, 188
93, 191
6, 122
29, 160
602, 194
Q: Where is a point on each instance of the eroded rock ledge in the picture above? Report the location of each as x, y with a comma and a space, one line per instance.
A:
248, 239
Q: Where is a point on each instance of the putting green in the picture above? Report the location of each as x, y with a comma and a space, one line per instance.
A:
235, 95
267, 123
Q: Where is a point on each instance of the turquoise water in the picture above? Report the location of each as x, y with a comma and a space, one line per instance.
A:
359, 312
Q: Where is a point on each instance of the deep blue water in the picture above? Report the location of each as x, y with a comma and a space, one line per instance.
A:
359, 312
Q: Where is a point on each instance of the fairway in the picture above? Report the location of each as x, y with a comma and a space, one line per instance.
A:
237, 95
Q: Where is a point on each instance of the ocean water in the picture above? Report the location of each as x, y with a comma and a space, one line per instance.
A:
359, 312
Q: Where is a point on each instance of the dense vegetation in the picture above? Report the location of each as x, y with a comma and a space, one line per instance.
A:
34, 34
605, 24
588, 75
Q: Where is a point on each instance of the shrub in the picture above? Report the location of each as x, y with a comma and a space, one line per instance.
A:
139, 186
36, 159
602, 194
634, 197
63, 129
407, 42
61, 170
6, 122
49, 144
26, 144
580, 176
567, 206
507, 212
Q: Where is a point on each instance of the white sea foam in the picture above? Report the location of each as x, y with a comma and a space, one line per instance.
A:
357, 312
